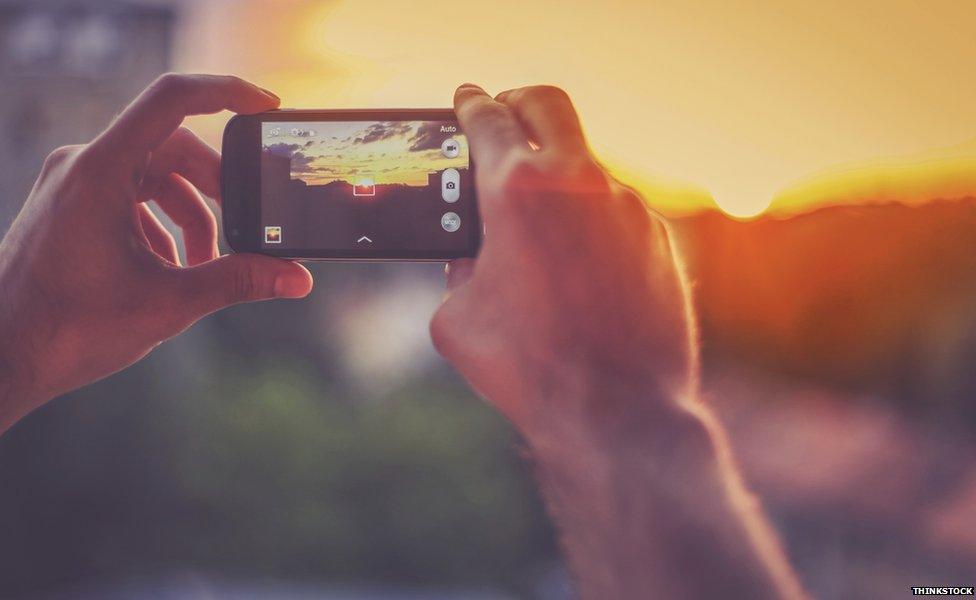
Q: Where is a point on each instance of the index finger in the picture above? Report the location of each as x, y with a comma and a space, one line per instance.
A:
160, 109
548, 115
491, 127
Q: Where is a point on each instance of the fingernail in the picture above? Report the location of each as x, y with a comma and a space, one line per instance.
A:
471, 86
270, 93
293, 284
458, 272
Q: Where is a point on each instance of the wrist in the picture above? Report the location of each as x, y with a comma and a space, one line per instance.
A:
596, 430
21, 389
625, 426
638, 472
646, 478
607, 403
17, 396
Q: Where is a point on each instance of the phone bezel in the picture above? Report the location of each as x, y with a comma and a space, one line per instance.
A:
240, 185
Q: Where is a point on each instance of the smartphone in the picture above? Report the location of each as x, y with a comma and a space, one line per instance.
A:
349, 185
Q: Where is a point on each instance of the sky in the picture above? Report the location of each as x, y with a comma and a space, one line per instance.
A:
739, 104
355, 151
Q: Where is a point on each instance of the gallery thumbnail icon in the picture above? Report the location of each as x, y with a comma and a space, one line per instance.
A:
272, 234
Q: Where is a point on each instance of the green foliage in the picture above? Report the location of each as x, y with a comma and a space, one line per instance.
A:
236, 450
423, 485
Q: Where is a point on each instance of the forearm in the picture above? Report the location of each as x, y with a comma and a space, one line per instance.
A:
647, 501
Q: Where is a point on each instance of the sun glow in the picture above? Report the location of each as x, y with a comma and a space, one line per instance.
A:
739, 101
948, 174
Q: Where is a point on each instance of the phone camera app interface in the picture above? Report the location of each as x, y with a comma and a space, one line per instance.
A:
352, 185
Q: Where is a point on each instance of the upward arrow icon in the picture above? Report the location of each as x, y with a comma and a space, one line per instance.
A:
364, 239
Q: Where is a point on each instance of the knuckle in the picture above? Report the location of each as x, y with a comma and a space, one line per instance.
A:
632, 208
521, 176
183, 133
245, 286
168, 79
575, 176
168, 84
182, 164
183, 140
586, 173
523, 173
83, 157
485, 112
440, 334
547, 93
58, 156
631, 213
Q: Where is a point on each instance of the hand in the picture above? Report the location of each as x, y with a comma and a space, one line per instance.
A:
574, 321
90, 281
576, 284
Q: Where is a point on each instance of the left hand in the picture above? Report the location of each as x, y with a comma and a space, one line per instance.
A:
576, 286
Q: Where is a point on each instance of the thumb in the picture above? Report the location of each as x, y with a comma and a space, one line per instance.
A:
237, 278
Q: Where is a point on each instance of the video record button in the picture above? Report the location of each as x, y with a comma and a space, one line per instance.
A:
451, 148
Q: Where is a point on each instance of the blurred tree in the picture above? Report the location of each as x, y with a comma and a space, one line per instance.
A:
258, 470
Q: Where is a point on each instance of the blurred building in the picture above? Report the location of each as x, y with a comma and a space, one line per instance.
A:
66, 68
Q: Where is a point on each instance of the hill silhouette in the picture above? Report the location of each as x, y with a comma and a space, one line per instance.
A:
878, 297
397, 216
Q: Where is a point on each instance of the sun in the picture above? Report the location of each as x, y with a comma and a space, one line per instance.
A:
742, 206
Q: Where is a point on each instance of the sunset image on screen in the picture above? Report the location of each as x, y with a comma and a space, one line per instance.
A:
375, 184
364, 153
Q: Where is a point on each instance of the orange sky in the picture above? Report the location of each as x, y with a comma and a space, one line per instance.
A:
738, 101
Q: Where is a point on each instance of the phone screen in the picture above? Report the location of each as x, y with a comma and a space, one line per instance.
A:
365, 185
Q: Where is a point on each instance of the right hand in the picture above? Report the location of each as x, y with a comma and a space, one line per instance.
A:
576, 287
90, 281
